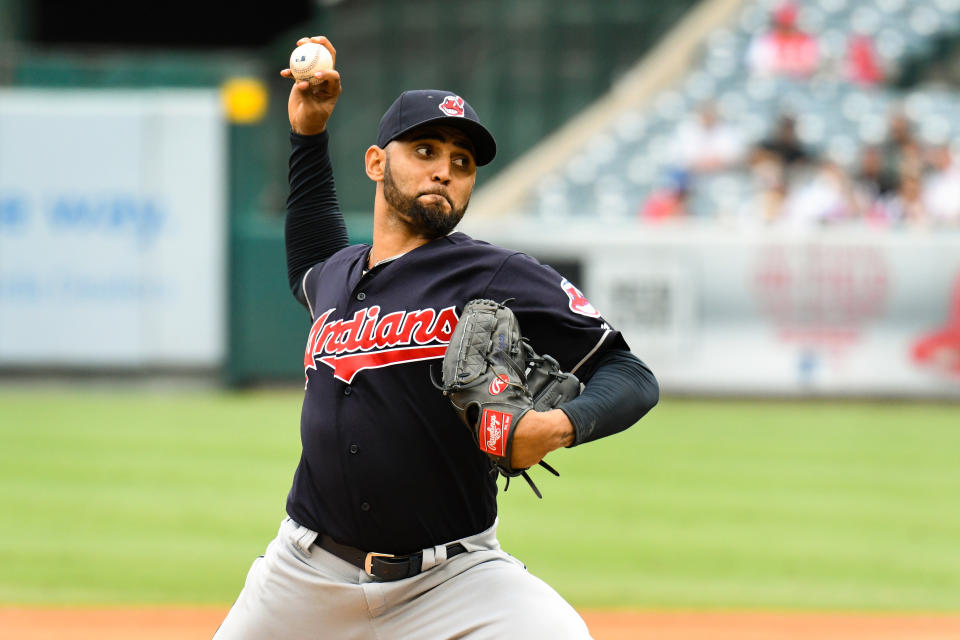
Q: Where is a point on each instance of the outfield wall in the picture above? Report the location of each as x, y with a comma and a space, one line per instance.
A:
834, 312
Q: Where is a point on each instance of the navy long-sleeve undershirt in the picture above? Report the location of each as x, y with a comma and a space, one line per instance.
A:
314, 228
620, 391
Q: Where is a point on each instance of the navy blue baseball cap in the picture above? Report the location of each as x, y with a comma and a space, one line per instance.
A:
432, 106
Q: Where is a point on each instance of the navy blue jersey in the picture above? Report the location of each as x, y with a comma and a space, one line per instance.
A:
387, 465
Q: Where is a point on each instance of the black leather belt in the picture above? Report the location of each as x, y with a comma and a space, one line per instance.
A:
384, 566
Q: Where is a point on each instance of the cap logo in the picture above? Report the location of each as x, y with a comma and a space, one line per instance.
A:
452, 106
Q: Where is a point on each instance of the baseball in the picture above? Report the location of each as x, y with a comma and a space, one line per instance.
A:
309, 58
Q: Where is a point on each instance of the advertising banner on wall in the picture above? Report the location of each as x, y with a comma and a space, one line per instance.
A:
834, 312
112, 228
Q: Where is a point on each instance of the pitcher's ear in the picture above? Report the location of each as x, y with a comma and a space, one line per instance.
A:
375, 161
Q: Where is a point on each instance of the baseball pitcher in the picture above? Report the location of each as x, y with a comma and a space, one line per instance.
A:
434, 363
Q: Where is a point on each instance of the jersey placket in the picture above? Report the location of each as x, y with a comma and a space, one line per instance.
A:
349, 435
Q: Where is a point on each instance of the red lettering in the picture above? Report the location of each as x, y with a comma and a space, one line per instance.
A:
367, 341
422, 321
349, 339
327, 338
446, 323
319, 323
373, 336
349, 332
388, 329
308, 352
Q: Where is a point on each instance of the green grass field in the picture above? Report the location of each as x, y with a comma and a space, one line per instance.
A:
113, 498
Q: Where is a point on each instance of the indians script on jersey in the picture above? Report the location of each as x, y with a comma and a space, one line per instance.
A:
368, 341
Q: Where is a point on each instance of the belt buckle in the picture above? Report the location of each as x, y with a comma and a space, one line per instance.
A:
368, 561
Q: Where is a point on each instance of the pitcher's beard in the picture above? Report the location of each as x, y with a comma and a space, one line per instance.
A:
426, 220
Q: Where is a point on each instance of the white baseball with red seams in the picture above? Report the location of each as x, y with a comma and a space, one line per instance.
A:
309, 58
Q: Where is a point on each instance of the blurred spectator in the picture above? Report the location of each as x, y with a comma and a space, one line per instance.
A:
785, 49
901, 153
827, 197
770, 188
704, 144
668, 202
774, 163
941, 192
873, 186
784, 146
873, 179
862, 64
906, 206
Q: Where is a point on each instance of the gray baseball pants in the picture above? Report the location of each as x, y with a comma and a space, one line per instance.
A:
297, 590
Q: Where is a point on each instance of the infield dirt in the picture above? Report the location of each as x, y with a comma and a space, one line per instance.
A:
189, 624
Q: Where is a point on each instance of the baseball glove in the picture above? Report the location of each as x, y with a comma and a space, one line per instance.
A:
492, 377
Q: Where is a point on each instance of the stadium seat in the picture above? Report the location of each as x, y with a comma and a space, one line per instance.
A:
617, 170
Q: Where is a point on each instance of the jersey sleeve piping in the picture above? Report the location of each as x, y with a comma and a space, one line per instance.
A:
592, 351
306, 296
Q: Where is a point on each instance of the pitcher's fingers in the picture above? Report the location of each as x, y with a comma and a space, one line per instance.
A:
328, 74
286, 73
329, 45
329, 80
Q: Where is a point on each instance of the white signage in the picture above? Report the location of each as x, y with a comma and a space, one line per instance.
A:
112, 228
836, 312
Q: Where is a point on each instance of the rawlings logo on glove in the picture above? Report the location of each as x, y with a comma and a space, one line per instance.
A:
492, 377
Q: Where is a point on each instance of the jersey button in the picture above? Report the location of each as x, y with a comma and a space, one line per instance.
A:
347, 391
361, 296
365, 506
354, 449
